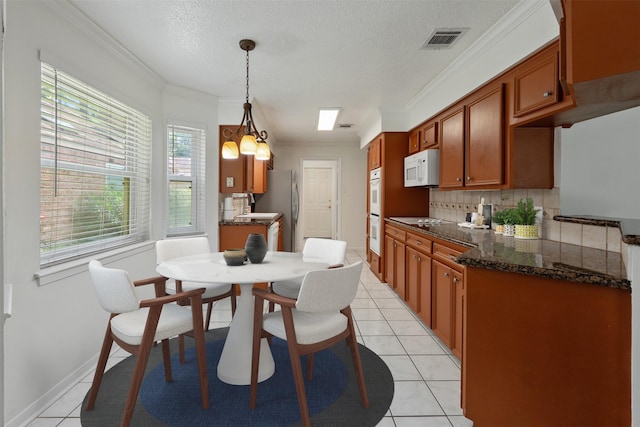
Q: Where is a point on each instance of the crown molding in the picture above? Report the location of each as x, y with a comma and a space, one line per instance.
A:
503, 28
77, 19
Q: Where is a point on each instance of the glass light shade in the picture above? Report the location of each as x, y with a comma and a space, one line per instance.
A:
230, 150
263, 152
248, 144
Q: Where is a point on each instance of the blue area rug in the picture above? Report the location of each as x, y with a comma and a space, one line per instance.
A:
178, 403
333, 396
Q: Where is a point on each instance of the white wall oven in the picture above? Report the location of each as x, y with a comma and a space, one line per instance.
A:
374, 233
374, 191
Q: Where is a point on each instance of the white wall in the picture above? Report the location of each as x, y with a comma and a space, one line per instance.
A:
55, 332
599, 168
353, 179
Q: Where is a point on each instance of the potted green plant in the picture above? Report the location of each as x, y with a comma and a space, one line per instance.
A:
509, 217
498, 220
525, 220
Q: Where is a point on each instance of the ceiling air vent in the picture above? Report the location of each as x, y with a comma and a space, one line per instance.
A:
443, 38
345, 125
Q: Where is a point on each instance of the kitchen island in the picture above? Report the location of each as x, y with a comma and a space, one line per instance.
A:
545, 330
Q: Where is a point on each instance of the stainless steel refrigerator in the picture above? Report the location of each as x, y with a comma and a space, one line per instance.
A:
282, 196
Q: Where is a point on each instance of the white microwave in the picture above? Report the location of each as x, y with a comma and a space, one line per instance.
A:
422, 168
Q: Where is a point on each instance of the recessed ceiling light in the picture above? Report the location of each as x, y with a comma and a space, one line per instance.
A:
327, 118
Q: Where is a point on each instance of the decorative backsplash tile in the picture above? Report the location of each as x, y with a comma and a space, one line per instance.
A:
454, 205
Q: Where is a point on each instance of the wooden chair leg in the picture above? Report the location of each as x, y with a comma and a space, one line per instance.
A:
233, 300
198, 334
310, 366
296, 367
141, 364
355, 355
209, 308
255, 350
166, 358
181, 348
102, 364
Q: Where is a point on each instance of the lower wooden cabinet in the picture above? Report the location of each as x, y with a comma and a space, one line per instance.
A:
418, 284
395, 257
442, 303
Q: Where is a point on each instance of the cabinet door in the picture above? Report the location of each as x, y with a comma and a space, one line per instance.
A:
413, 279
442, 304
452, 150
485, 140
414, 141
399, 273
389, 260
259, 176
375, 154
458, 323
537, 86
429, 134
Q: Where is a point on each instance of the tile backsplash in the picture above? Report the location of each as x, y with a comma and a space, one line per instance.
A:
454, 205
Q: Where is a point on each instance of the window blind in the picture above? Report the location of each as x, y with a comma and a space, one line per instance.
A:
94, 170
186, 180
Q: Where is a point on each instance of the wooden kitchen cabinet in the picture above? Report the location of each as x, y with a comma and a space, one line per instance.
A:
241, 175
394, 250
414, 141
484, 139
458, 312
452, 149
429, 136
418, 275
443, 302
235, 236
374, 154
537, 85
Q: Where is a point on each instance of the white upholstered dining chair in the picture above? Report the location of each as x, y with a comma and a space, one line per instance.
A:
135, 325
319, 318
169, 249
330, 251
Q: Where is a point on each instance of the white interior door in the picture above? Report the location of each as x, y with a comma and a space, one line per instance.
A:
318, 202
319, 197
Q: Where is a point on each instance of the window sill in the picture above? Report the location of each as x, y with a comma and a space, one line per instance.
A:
56, 273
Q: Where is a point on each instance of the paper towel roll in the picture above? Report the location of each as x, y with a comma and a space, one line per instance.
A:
228, 204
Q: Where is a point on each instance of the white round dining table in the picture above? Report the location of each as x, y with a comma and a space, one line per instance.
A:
234, 366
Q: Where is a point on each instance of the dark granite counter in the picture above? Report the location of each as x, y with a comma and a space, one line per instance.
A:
250, 221
545, 258
629, 228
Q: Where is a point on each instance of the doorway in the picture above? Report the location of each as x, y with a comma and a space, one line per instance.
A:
319, 199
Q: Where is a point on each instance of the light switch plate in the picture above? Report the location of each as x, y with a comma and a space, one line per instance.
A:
229, 181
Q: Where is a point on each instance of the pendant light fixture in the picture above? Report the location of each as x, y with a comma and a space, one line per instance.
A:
253, 142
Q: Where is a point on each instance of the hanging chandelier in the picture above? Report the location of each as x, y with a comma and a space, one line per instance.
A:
253, 142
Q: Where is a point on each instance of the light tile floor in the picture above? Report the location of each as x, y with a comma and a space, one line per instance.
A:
426, 374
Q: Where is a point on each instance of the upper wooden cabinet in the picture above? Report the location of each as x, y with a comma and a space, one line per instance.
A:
452, 149
375, 154
484, 151
414, 141
472, 142
536, 85
241, 175
429, 136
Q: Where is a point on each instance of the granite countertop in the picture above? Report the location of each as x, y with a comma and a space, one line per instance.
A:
629, 228
250, 221
544, 258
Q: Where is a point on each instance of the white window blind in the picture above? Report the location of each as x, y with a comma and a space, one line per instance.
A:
185, 170
94, 170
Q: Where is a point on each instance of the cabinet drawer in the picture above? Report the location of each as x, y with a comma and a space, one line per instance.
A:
445, 253
419, 242
396, 233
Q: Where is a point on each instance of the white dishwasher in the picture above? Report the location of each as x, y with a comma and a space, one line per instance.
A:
272, 236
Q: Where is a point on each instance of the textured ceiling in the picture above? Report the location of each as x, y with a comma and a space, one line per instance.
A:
361, 56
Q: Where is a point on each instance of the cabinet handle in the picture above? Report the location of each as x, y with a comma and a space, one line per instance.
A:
446, 274
458, 179
455, 280
418, 242
547, 94
452, 257
468, 178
